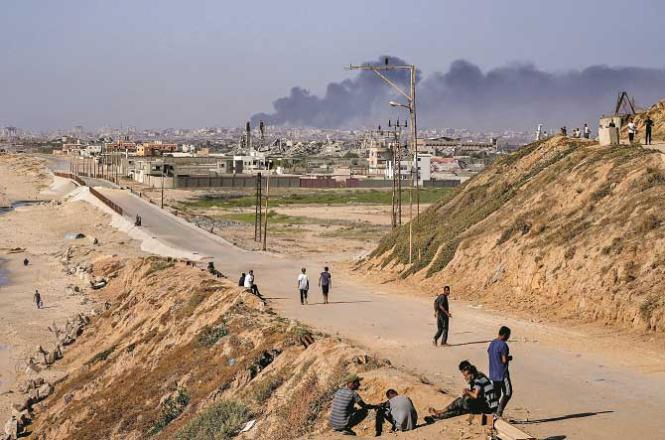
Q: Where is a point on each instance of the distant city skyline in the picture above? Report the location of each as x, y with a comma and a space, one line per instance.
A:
207, 63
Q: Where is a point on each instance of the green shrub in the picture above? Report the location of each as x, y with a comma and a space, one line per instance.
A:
263, 390
101, 356
520, 225
172, 407
210, 335
220, 421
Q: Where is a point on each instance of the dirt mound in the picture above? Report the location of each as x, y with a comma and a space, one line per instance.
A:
182, 355
561, 228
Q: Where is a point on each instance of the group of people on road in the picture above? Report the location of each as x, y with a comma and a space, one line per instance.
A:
498, 353
247, 281
487, 395
325, 283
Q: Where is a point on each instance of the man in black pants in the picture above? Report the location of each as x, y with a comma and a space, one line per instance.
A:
499, 358
442, 315
648, 123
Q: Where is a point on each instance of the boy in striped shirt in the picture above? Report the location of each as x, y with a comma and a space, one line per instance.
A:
478, 398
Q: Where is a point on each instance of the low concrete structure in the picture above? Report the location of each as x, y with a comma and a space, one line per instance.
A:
608, 135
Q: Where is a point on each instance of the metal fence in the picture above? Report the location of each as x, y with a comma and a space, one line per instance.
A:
106, 201
73, 177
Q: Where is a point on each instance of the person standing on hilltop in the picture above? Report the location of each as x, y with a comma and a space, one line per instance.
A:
499, 357
632, 129
587, 131
648, 123
325, 281
303, 285
38, 299
442, 315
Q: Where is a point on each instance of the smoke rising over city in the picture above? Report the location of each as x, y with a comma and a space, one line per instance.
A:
515, 96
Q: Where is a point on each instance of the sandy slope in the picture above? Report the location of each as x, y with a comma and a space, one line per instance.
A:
39, 232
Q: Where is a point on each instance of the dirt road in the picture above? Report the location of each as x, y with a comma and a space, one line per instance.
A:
561, 386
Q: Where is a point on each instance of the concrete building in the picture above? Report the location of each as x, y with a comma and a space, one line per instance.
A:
156, 148
379, 156
424, 168
435, 146
121, 145
91, 150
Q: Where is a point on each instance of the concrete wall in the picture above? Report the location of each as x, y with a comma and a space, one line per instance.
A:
609, 135
244, 181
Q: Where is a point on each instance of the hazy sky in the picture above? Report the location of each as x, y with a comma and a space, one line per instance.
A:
167, 63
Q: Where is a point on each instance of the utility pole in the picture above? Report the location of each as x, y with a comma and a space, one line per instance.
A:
163, 166
411, 106
265, 225
397, 166
258, 209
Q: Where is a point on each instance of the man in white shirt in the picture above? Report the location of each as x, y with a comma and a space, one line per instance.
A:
303, 285
249, 283
632, 129
587, 132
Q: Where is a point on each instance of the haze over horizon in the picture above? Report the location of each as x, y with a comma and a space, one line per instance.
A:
489, 65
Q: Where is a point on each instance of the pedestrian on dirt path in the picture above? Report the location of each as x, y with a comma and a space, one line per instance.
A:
325, 282
442, 315
632, 129
398, 411
587, 131
303, 285
38, 299
648, 124
250, 284
26, 261
499, 358
478, 398
344, 415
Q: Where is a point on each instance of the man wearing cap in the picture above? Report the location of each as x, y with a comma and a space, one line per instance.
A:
343, 406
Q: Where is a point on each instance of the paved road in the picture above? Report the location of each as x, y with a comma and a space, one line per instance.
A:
552, 380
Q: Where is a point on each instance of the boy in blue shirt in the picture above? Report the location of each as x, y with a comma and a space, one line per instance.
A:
499, 357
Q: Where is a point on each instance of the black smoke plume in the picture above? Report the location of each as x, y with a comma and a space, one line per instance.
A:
516, 96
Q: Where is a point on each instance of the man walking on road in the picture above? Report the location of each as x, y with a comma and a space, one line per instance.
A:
499, 357
303, 285
587, 131
442, 315
325, 281
38, 299
648, 123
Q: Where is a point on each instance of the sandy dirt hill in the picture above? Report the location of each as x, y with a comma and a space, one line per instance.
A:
562, 228
181, 354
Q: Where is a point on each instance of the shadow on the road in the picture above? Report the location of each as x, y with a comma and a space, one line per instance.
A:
338, 302
47, 307
276, 297
556, 419
469, 343
556, 437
